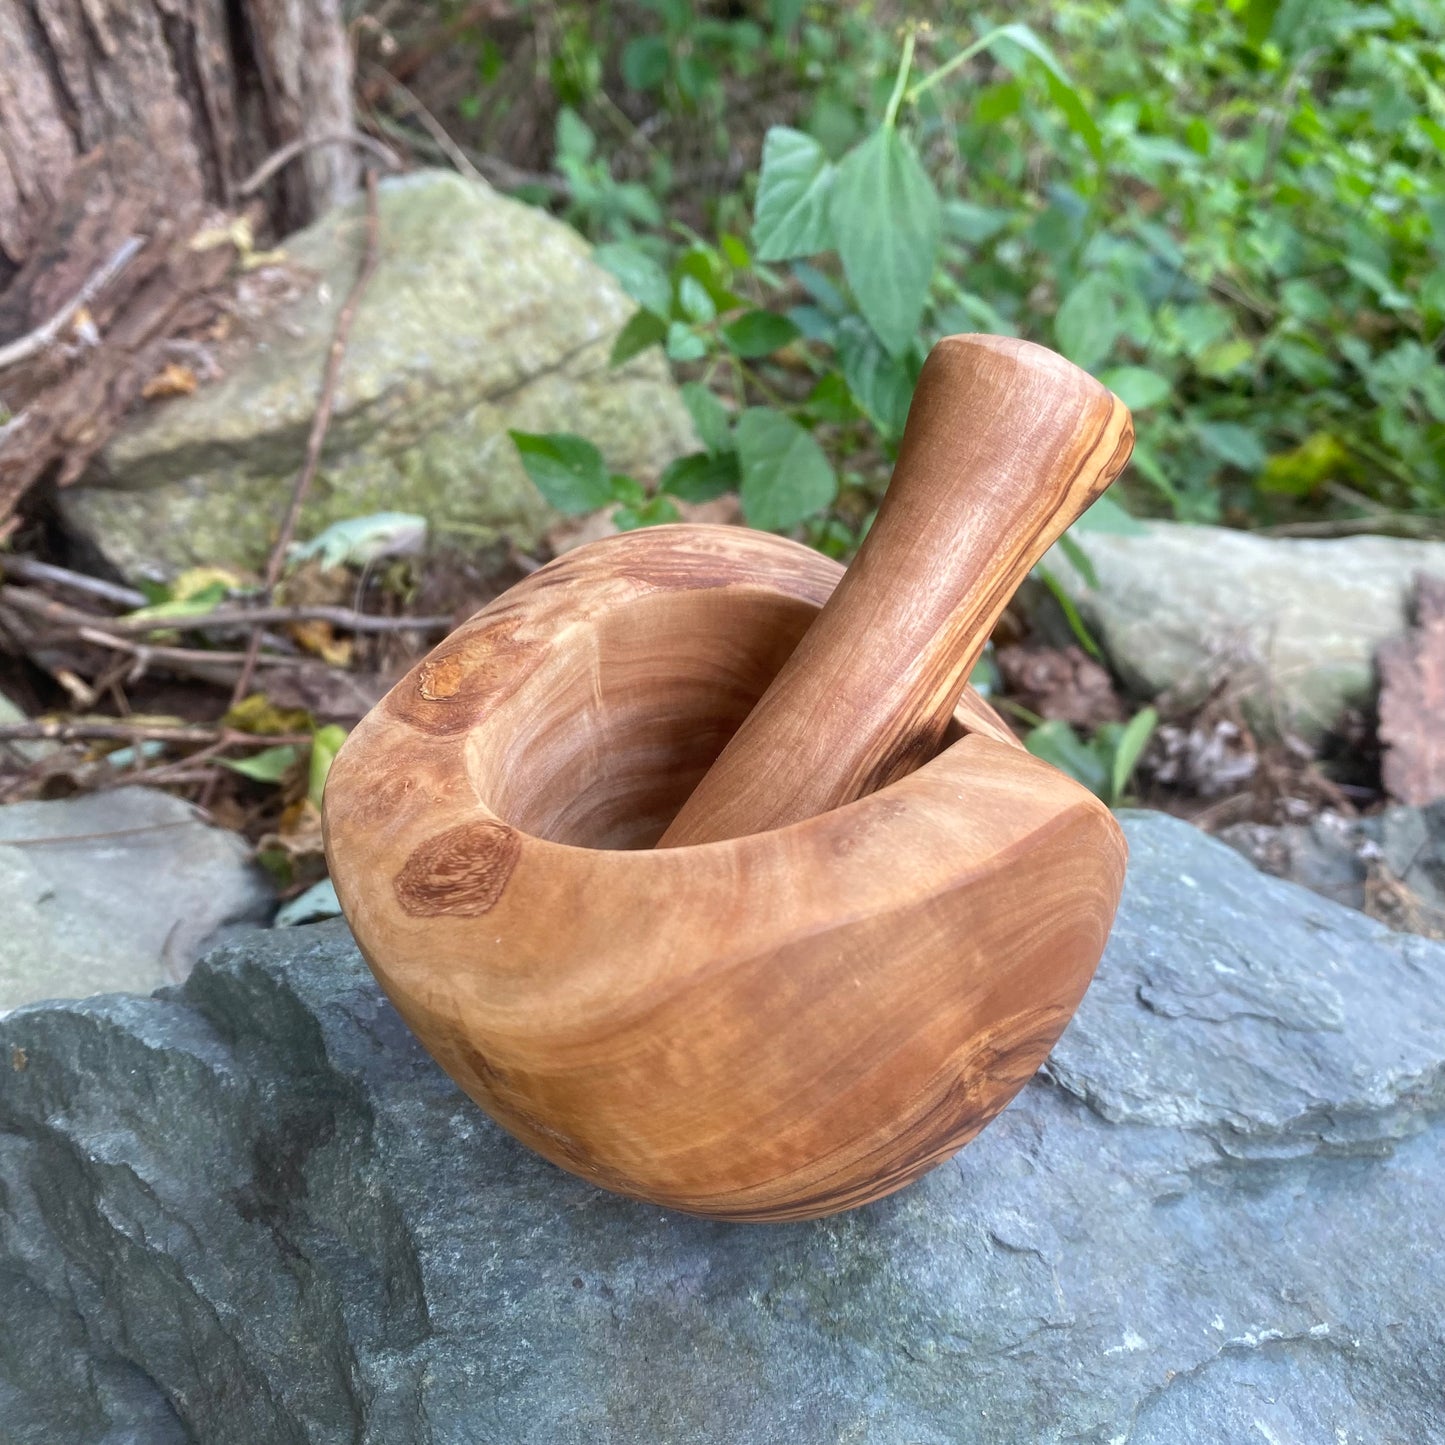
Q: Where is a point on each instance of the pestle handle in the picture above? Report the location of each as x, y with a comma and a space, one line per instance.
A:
1006, 444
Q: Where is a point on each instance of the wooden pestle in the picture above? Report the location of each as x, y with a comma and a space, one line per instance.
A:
1006, 445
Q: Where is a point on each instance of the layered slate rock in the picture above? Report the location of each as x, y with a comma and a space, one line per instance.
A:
483, 314
254, 1210
1294, 623
115, 890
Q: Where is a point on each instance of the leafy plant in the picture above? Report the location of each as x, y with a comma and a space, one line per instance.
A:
861, 340
1104, 763
596, 200
1237, 222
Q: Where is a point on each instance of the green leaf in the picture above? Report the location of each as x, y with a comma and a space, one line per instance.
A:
790, 216
1107, 515
881, 384
652, 513
325, 744
735, 253
1071, 613
693, 298
832, 400
712, 421
642, 331
974, 224
1223, 358
641, 277
1232, 443
1061, 89
575, 140
785, 476
1136, 386
758, 333
705, 266
1129, 749
1087, 323
1321, 457
626, 489
1259, 20
1057, 743
567, 470
1146, 462
684, 344
694, 76
1080, 560
887, 220
784, 15
645, 62
1306, 300
270, 765
701, 476
196, 605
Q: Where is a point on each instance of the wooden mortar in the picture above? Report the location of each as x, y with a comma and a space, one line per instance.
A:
772, 1026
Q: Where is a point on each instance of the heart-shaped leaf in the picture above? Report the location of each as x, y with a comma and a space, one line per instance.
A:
887, 219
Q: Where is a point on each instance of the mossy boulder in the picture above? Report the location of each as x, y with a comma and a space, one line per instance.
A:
483, 314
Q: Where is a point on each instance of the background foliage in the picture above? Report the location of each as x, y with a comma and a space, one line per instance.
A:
1234, 214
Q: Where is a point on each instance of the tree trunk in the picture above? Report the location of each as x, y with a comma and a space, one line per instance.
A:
125, 127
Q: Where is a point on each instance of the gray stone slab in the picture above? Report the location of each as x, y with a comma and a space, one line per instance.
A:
254, 1210
115, 890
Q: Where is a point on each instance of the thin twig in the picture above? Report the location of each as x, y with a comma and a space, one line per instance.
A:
173, 775
322, 419
106, 631
220, 619
495, 171
301, 144
27, 569
24, 347
180, 656
232, 617
432, 126
40, 730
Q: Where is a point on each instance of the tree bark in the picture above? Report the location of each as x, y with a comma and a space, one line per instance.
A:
129, 125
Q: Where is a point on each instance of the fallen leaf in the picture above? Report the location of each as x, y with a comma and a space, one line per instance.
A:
293, 852
259, 714
318, 637
235, 231
297, 835
1412, 701
172, 379
254, 260
325, 693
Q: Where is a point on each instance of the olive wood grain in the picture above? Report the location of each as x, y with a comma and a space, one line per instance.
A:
1006, 444
770, 1027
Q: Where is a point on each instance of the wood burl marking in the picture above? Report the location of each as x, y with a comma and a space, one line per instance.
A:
461, 872
440, 677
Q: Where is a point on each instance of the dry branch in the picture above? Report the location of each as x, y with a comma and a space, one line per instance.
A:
302, 144
43, 730
24, 347
320, 422
223, 618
